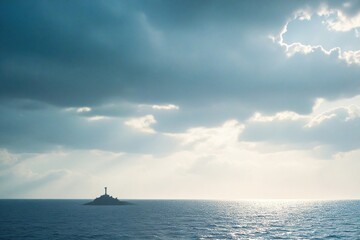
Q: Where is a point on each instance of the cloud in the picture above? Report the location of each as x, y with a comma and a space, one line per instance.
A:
83, 109
194, 93
335, 126
321, 118
96, 118
51, 128
334, 20
142, 123
147, 54
184, 173
165, 107
337, 20
281, 116
7, 159
210, 139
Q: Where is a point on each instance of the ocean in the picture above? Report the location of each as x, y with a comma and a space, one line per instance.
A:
180, 219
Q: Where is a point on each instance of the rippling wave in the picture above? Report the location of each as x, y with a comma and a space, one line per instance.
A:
180, 219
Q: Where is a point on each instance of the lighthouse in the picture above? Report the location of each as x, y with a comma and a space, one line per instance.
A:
106, 199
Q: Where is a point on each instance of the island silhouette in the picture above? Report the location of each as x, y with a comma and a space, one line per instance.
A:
106, 199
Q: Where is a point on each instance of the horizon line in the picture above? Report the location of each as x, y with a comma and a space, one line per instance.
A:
201, 199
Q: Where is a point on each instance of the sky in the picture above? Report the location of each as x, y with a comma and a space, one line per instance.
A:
180, 99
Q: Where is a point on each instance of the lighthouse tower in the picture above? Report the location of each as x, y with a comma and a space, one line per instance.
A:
105, 190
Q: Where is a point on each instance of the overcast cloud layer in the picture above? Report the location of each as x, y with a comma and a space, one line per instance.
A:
180, 99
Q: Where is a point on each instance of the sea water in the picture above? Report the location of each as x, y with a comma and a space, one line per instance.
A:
180, 219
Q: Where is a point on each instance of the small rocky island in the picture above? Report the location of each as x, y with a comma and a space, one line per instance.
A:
107, 200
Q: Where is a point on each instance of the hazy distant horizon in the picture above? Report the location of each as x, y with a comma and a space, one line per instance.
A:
180, 99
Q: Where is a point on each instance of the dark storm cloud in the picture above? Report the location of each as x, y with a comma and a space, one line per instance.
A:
212, 58
83, 53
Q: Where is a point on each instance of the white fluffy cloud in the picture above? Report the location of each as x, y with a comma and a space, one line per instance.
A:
337, 20
333, 125
281, 116
83, 109
142, 123
165, 107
